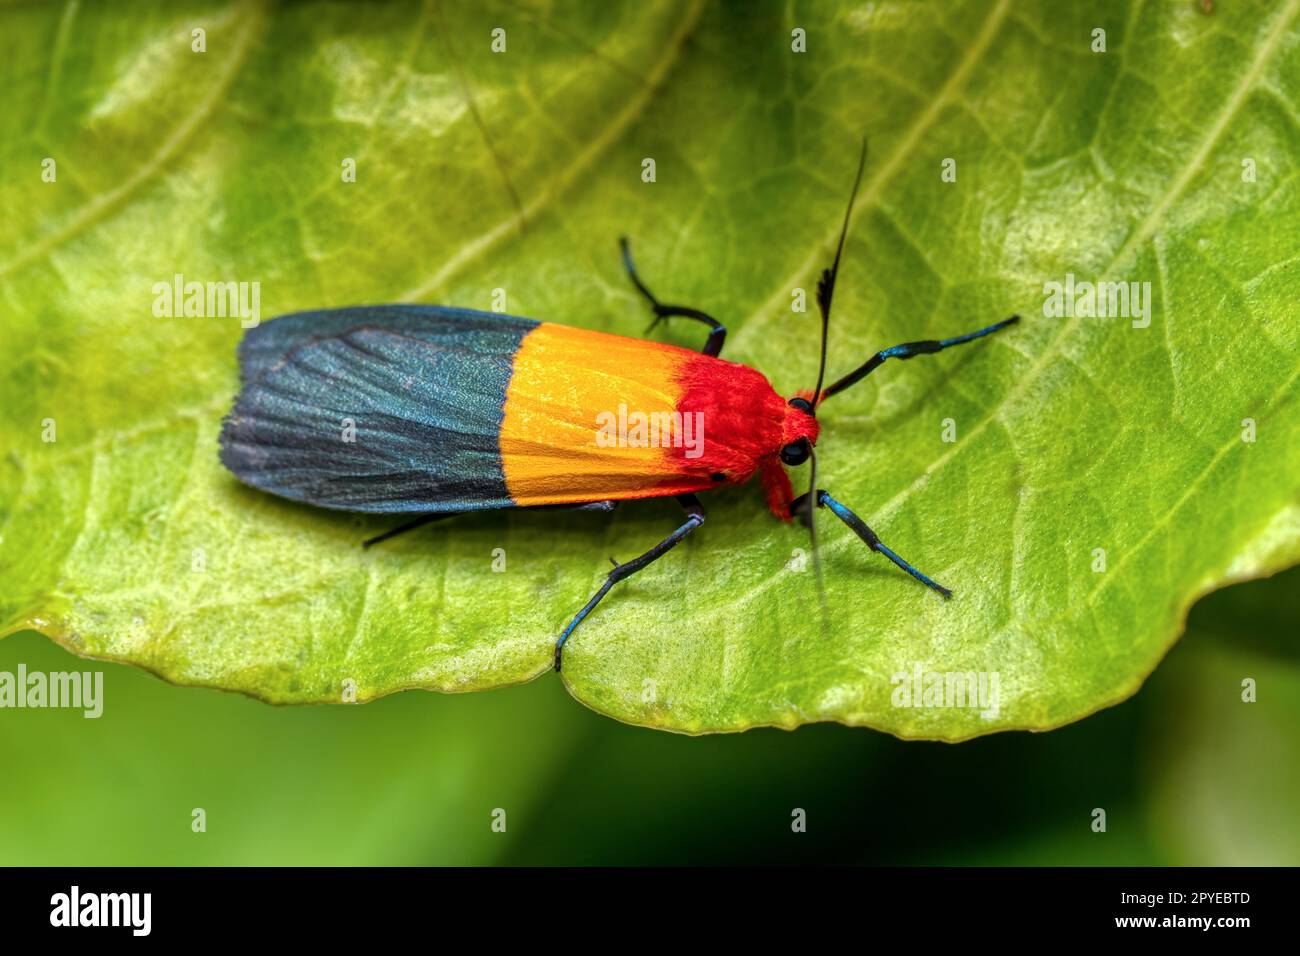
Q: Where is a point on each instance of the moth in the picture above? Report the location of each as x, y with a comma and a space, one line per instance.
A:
455, 410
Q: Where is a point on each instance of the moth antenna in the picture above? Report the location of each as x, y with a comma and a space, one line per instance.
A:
826, 284
809, 517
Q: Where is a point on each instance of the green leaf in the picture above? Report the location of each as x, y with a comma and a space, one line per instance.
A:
479, 171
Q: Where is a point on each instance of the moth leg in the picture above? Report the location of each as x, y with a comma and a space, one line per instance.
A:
694, 518
425, 519
912, 349
411, 525
717, 333
585, 506
874, 543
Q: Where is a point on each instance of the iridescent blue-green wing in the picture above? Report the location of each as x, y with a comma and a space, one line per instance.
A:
487, 332
383, 409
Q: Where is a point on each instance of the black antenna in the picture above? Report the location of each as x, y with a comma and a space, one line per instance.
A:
805, 506
825, 293
810, 515
826, 284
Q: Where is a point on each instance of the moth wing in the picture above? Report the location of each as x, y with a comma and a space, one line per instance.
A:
384, 419
265, 344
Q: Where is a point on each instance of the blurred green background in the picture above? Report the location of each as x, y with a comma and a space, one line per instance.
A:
1187, 774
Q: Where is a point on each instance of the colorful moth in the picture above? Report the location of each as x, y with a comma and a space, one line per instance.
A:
452, 410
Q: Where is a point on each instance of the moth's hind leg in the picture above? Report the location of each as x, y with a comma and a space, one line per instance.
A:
717, 332
421, 520
694, 518
411, 525
585, 506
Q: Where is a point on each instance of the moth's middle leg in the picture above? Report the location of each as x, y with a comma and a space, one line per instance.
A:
694, 518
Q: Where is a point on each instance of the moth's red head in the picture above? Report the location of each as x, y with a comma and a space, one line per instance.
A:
799, 430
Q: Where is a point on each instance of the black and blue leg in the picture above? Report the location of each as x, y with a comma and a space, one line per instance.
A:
717, 332
912, 349
860, 528
694, 518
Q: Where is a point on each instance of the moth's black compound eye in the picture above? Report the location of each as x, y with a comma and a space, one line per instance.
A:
802, 404
796, 453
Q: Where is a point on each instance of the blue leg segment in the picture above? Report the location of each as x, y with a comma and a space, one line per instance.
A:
866, 534
694, 518
912, 349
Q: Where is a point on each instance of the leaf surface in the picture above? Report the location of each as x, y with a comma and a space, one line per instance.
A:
1167, 159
